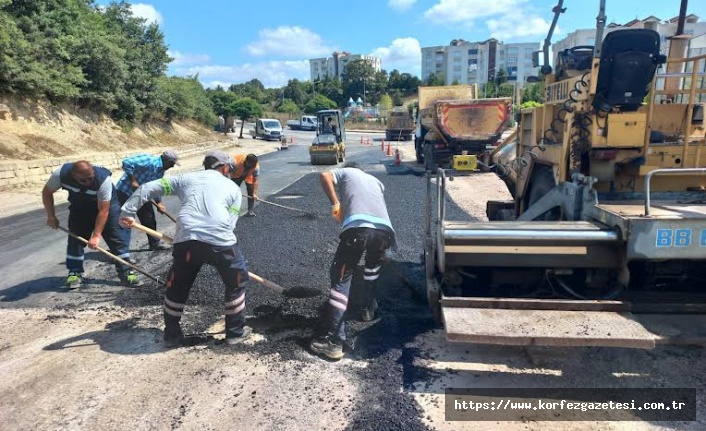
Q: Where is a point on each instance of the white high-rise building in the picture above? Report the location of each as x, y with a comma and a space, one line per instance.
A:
335, 65
464, 62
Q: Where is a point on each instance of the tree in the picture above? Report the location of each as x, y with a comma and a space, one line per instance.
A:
319, 103
288, 107
243, 109
358, 79
434, 81
386, 102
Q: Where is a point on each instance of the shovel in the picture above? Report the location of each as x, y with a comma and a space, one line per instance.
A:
112, 256
166, 213
290, 293
308, 214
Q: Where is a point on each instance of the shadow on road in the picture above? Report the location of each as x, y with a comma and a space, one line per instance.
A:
32, 287
122, 337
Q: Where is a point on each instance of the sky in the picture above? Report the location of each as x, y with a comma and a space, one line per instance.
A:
233, 41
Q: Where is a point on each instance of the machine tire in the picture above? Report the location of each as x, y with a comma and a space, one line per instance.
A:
418, 151
542, 182
429, 159
314, 160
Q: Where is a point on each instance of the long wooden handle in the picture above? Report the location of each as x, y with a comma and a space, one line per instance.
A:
166, 213
267, 283
153, 233
112, 256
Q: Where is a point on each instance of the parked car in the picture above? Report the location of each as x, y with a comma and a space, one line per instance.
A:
268, 129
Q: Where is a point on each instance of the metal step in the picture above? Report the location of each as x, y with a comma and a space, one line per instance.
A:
565, 323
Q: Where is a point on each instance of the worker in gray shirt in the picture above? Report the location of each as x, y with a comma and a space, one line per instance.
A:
210, 206
93, 213
359, 206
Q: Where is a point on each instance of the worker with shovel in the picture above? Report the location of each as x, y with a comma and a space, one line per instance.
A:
247, 168
210, 206
93, 213
140, 169
366, 227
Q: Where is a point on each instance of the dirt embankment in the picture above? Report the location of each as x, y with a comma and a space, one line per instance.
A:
32, 130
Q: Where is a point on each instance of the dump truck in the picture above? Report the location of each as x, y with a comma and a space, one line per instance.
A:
451, 121
329, 145
604, 240
400, 125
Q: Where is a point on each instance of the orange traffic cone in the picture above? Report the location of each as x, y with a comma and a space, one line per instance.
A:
361, 140
398, 161
382, 145
291, 139
389, 149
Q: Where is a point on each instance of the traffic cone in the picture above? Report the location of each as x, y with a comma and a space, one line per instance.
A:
291, 139
398, 161
361, 140
382, 145
369, 141
389, 149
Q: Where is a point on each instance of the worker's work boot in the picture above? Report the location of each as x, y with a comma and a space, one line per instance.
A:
130, 279
368, 313
327, 347
159, 246
73, 281
247, 332
173, 337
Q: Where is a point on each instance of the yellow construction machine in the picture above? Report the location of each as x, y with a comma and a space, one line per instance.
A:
606, 229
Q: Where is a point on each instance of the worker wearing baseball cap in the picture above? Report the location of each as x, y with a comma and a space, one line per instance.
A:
205, 234
140, 169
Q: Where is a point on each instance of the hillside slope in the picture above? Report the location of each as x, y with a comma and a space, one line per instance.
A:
32, 130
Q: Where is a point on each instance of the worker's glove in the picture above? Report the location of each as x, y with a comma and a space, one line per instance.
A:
336, 213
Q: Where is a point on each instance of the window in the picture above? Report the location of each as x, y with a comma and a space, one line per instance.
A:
472, 61
457, 55
512, 51
472, 52
512, 60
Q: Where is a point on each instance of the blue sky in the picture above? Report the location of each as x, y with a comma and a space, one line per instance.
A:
229, 42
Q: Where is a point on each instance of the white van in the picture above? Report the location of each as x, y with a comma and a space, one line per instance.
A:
268, 129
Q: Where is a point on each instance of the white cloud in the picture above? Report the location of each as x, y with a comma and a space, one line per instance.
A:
505, 18
403, 54
517, 24
270, 73
147, 12
289, 41
181, 59
462, 11
401, 5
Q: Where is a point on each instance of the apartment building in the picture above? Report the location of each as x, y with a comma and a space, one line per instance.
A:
665, 29
335, 65
465, 62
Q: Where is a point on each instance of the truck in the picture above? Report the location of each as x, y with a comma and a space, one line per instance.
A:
451, 121
305, 122
400, 125
603, 242
329, 145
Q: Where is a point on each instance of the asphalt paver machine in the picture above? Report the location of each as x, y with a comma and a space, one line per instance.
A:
604, 240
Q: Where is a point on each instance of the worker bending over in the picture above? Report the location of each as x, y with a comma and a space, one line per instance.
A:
140, 169
93, 211
247, 168
366, 227
210, 205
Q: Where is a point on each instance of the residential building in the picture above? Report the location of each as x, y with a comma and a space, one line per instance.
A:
335, 65
465, 62
665, 29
